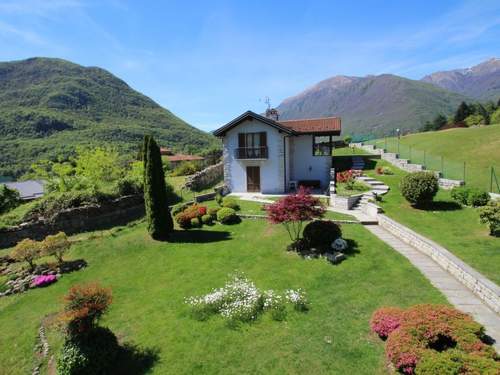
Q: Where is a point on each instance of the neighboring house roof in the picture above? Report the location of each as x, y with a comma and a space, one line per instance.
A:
166, 151
315, 125
327, 125
30, 189
180, 157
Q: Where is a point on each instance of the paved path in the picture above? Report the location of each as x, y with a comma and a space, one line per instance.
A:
458, 294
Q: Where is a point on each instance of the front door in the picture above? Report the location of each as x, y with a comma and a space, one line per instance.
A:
253, 179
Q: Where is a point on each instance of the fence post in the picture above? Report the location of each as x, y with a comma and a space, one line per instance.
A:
385, 143
442, 166
464, 172
398, 146
491, 179
410, 155
424, 161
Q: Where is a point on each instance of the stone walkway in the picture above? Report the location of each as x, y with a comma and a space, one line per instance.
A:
458, 295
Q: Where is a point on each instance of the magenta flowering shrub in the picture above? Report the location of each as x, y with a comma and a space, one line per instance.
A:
295, 209
385, 320
44, 280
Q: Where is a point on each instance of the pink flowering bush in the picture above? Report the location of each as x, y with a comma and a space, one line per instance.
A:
431, 330
295, 209
44, 280
385, 320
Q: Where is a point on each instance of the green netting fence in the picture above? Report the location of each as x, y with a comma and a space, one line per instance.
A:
486, 178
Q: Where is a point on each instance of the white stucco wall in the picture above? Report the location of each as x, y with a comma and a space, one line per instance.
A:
271, 170
305, 166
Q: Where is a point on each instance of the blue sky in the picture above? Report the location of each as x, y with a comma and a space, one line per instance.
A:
209, 61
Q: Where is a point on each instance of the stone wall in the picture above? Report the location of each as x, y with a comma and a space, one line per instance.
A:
344, 202
76, 220
206, 177
485, 289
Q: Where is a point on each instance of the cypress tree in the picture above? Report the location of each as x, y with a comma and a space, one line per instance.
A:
463, 111
159, 221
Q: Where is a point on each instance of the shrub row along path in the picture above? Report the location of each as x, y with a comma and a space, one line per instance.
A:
457, 293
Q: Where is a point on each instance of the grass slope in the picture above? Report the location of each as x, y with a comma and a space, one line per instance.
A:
48, 106
457, 229
478, 147
151, 279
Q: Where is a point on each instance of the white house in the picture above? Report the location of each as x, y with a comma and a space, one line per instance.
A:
262, 154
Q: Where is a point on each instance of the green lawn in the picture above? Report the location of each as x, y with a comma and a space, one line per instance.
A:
342, 151
178, 182
457, 229
151, 279
478, 147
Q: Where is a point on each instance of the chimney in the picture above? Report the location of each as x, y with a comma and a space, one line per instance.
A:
273, 114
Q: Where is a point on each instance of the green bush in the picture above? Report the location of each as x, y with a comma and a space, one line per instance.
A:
477, 198
321, 233
185, 169
195, 223
213, 212
94, 353
459, 194
227, 215
455, 362
219, 198
9, 199
470, 196
207, 219
490, 214
127, 186
230, 203
419, 188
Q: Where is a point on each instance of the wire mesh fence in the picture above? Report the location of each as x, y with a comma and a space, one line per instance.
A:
473, 175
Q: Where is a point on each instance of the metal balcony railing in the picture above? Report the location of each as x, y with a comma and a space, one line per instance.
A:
251, 153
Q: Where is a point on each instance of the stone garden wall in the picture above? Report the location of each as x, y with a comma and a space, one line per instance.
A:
485, 289
206, 177
81, 219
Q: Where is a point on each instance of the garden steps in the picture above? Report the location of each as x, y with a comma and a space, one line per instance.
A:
457, 293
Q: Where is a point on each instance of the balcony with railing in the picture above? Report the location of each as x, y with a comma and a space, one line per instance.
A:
250, 153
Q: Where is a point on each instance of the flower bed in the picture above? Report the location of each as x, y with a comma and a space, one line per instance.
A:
241, 301
44, 280
428, 334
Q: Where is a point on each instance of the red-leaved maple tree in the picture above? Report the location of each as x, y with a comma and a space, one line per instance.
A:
293, 210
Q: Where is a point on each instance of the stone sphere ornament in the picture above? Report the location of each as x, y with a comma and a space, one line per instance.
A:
339, 244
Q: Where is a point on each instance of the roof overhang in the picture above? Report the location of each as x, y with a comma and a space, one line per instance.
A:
249, 115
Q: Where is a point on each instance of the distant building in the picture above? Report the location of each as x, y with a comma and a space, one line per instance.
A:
176, 159
28, 190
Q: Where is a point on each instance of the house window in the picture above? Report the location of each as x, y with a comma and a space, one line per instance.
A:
322, 145
252, 146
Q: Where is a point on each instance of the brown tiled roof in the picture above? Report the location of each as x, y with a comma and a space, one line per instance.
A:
181, 157
315, 125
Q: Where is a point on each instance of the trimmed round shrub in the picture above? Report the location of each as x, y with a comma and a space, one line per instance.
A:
455, 362
230, 203
436, 328
207, 219
227, 215
195, 223
419, 188
385, 320
477, 198
470, 196
183, 220
213, 212
490, 214
94, 353
321, 233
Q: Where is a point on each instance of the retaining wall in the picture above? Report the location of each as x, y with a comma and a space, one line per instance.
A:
206, 177
75, 220
485, 289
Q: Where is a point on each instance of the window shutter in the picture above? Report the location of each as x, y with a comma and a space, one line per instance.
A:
263, 139
241, 139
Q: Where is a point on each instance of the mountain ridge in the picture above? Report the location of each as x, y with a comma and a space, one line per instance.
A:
49, 106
